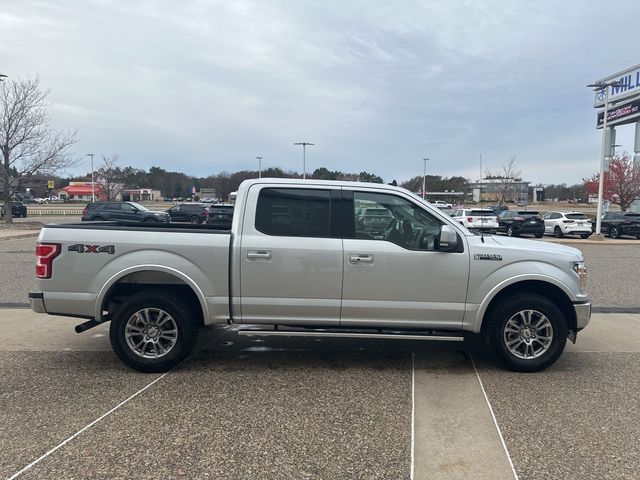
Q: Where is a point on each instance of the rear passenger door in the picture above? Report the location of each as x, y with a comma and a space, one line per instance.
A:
291, 256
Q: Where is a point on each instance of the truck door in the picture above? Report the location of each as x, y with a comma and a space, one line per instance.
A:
394, 275
291, 256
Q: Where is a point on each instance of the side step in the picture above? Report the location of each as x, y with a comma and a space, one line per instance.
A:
336, 333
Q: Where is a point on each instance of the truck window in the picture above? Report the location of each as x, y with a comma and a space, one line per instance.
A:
294, 212
402, 223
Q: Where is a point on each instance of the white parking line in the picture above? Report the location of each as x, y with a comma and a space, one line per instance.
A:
504, 445
413, 411
86, 427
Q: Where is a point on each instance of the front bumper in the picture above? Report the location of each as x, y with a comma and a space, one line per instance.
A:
583, 314
37, 302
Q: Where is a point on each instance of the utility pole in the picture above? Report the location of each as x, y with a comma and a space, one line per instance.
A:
93, 190
259, 167
304, 157
424, 178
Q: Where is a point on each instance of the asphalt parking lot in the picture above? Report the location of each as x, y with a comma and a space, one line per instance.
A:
310, 408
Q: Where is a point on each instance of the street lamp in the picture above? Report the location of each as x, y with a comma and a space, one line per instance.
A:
93, 191
424, 178
259, 167
304, 157
602, 87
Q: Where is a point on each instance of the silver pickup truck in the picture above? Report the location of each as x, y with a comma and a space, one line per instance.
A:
307, 258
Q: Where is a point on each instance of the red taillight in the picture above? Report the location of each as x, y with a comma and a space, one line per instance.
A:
45, 253
470, 219
206, 212
567, 221
84, 212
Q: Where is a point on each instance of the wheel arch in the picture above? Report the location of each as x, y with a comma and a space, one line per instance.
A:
543, 288
139, 277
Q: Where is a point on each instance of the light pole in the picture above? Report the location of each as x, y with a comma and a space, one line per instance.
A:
259, 167
93, 191
304, 157
602, 87
424, 178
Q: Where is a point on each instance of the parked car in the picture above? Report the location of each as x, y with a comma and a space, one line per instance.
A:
293, 265
221, 216
616, 224
442, 204
520, 222
498, 208
477, 219
18, 209
122, 211
372, 221
567, 223
189, 212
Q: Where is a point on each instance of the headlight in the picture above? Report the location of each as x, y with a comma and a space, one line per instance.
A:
581, 270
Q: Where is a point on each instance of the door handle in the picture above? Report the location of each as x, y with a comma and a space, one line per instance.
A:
259, 255
360, 258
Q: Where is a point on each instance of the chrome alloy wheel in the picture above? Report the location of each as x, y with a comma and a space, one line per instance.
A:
528, 334
151, 333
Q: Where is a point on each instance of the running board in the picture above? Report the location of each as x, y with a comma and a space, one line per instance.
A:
334, 334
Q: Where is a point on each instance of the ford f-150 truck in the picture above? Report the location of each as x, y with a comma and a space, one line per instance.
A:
298, 260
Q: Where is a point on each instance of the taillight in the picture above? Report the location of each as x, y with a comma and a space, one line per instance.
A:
470, 219
45, 253
206, 212
84, 212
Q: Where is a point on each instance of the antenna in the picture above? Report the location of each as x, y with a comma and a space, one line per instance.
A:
481, 229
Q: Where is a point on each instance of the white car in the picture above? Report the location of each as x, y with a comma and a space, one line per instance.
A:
567, 223
477, 219
441, 204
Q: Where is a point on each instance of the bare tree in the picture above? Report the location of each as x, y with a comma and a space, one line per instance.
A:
27, 143
110, 177
504, 181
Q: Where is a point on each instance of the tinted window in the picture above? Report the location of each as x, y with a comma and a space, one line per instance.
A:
483, 213
577, 216
113, 206
294, 212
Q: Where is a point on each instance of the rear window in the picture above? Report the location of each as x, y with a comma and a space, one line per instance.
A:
527, 213
227, 210
294, 212
634, 215
483, 213
577, 216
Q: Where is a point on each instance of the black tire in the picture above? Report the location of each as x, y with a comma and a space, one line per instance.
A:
558, 232
511, 232
494, 331
539, 235
194, 219
184, 319
97, 219
585, 235
614, 233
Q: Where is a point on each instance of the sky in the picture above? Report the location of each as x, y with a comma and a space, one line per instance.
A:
205, 86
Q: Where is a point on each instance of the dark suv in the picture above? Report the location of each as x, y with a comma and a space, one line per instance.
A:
520, 222
18, 209
221, 216
616, 224
189, 212
122, 211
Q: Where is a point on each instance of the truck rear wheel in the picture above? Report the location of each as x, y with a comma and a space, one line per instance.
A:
526, 332
153, 331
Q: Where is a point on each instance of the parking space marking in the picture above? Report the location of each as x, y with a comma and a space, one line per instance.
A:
103, 416
413, 411
504, 445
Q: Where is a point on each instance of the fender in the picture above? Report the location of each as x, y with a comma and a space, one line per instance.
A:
479, 314
140, 268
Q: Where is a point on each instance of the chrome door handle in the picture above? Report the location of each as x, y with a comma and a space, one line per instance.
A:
359, 258
259, 255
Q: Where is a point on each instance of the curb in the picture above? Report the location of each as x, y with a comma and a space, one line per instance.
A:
17, 237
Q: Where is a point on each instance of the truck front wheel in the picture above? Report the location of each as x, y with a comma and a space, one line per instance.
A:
153, 331
526, 332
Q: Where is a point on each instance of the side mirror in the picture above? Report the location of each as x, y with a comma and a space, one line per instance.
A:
448, 239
